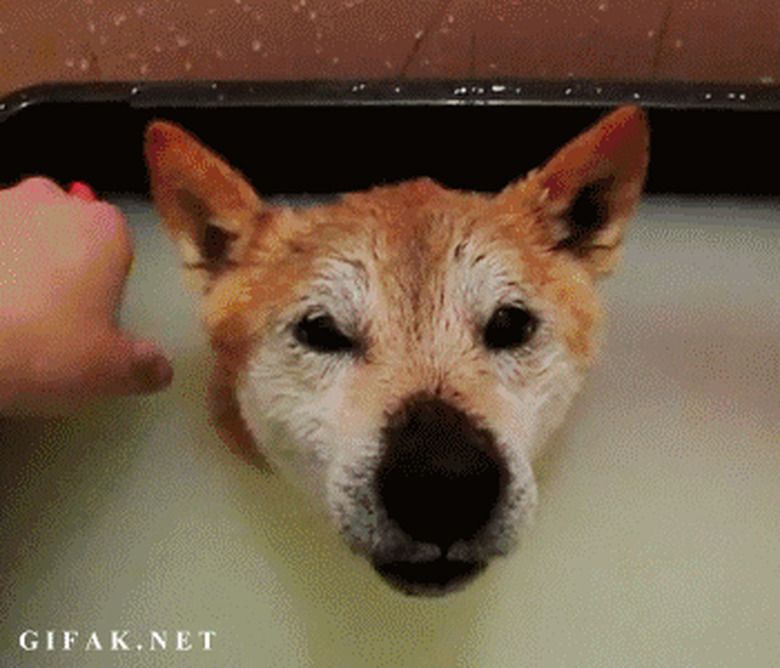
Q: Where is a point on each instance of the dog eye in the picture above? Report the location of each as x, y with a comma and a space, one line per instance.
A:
510, 327
320, 333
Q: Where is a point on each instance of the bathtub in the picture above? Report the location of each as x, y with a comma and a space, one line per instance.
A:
655, 542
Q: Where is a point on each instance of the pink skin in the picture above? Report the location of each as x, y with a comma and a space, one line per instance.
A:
64, 260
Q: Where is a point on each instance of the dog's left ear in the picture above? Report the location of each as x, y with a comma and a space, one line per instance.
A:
209, 208
588, 191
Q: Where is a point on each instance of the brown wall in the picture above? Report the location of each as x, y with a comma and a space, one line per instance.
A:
86, 40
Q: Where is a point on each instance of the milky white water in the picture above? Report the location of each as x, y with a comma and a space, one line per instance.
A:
656, 543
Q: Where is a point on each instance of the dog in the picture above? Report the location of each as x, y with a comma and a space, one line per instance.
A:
403, 354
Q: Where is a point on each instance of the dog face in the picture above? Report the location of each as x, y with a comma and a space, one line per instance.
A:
403, 354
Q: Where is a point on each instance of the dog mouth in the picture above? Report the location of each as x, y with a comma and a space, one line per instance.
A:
429, 578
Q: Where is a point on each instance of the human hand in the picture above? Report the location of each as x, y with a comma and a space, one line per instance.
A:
64, 260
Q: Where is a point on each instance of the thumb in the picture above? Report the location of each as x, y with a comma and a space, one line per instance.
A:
121, 365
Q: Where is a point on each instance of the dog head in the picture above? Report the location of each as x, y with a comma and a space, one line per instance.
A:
403, 354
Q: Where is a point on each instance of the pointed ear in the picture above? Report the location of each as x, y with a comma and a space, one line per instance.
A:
588, 191
209, 209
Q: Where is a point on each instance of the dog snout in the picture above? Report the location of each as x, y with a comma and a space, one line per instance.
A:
441, 475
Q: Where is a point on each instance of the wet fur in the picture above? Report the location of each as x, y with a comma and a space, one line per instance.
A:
412, 272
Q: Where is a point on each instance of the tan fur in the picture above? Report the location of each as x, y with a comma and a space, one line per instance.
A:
417, 256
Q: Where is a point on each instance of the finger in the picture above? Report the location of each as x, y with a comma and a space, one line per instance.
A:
110, 225
109, 246
41, 187
82, 191
120, 365
150, 371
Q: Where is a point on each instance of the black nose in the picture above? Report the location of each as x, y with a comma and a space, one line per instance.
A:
441, 475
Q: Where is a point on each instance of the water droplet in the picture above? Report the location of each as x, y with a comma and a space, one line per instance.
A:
419, 34
256, 45
678, 44
182, 41
143, 70
767, 79
335, 60
69, 62
603, 7
119, 19
312, 15
90, 27
132, 55
219, 53
157, 48
83, 64
450, 19
187, 65
650, 34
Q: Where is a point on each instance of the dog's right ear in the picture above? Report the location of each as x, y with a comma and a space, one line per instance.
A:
209, 208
